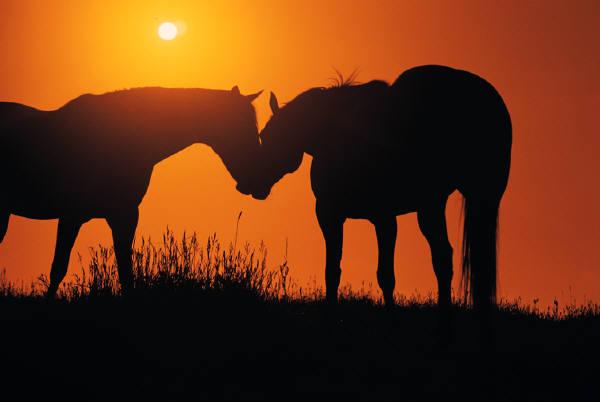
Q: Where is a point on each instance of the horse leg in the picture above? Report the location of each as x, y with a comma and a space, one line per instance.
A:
332, 227
4, 217
68, 228
123, 225
386, 230
432, 222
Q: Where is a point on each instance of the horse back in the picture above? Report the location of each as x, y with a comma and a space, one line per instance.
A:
12, 114
15, 122
446, 93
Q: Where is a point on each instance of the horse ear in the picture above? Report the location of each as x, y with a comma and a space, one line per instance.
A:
273, 103
253, 96
235, 90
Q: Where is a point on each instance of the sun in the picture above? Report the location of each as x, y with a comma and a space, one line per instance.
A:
167, 31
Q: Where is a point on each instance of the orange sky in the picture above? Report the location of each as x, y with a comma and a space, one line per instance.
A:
542, 56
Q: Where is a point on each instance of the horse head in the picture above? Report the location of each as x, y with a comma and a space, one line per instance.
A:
281, 152
237, 143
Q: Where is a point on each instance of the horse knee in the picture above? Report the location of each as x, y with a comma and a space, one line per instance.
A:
123, 226
124, 254
67, 231
333, 273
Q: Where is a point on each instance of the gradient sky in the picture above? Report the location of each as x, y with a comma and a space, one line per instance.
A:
542, 56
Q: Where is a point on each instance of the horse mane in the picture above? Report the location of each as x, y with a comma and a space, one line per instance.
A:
332, 104
342, 87
339, 81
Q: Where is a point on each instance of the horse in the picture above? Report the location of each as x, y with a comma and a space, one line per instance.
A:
381, 150
94, 156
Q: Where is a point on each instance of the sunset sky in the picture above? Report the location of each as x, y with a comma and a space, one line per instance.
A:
542, 56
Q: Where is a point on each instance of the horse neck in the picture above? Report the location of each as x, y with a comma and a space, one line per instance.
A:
300, 138
181, 135
311, 140
312, 132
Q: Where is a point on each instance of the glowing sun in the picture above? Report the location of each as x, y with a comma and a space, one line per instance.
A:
167, 31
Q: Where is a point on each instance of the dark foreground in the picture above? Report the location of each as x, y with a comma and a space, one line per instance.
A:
222, 339
211, 347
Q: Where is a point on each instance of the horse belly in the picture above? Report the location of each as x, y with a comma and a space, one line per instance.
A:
34, 205
378, 188
53, 194
45, 198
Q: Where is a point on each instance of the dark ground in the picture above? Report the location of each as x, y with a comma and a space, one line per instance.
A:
213, 323
228, 346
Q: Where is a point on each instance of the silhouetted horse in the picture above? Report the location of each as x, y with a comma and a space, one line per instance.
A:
93, 157
380, 151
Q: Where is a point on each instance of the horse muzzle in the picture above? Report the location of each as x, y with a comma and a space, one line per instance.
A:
243, 189
260, 195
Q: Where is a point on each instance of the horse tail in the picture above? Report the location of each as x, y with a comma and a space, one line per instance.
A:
479, 251
487, 160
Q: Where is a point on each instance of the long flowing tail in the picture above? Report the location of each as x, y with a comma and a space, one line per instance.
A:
486, 157
479, 251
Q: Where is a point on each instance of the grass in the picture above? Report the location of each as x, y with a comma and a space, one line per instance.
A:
208, 322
